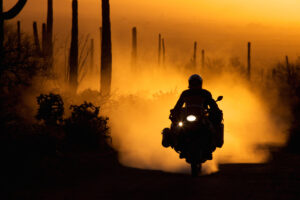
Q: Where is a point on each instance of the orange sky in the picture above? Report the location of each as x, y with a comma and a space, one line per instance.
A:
220, 26
270, 12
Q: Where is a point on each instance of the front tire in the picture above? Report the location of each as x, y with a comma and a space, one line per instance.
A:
195, 169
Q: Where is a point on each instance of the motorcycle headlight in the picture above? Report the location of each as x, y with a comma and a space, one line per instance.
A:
191, 118
180, 124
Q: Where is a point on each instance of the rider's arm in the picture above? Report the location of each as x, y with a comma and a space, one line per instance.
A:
216, 115
211, 102
179, 103
175, 112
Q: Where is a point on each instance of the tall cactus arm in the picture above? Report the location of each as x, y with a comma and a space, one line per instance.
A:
15, 10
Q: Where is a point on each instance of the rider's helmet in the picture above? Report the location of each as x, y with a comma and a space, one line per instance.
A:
195, 81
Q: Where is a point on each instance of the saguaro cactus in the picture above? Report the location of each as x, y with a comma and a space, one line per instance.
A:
49, 47
288, 69
106, 53
44, 39
195, 55
203, 58
92, 53
19, 37
159, 48
73, 59
36, 39
100, 29
249, 61
164, 51
134, 47
13, 12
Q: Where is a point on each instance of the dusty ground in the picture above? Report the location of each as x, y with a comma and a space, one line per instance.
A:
86, 177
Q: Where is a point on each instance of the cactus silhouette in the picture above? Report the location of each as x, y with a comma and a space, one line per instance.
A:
100, 30
106, 50
203, 58
134, 47
249, 61
44, 39
10, 14
19, 37
159, 48
195, 55
92, 54
73, 59
288, 69
36, 39
50, 31
164, 51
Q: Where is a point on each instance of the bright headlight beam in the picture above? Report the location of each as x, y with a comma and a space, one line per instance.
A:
191, 118
180, 124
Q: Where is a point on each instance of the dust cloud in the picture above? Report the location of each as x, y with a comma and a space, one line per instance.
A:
140, 107
140, 104
141, 101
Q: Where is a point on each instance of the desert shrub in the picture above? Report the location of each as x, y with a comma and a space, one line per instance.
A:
17, 69
287, 80
51, 109
19, 65
85, 129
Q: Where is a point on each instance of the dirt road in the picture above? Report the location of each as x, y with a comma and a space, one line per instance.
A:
279, 179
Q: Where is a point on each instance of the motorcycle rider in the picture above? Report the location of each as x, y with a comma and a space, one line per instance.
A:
196, 99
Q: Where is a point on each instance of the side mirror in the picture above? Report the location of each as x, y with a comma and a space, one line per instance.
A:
220, 98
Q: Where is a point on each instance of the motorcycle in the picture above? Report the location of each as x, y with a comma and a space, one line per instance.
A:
193, 135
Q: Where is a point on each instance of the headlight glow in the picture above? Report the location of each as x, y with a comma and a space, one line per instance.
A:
180, 124
191, 118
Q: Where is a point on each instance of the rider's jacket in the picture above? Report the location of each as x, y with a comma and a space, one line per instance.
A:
199, 100
196, 98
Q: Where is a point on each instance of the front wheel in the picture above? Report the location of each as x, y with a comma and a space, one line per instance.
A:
195, 169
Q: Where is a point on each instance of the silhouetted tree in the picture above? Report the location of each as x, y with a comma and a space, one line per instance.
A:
13, 12
19, 68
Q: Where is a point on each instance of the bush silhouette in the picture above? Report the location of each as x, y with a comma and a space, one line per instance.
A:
51, 109
85, 129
